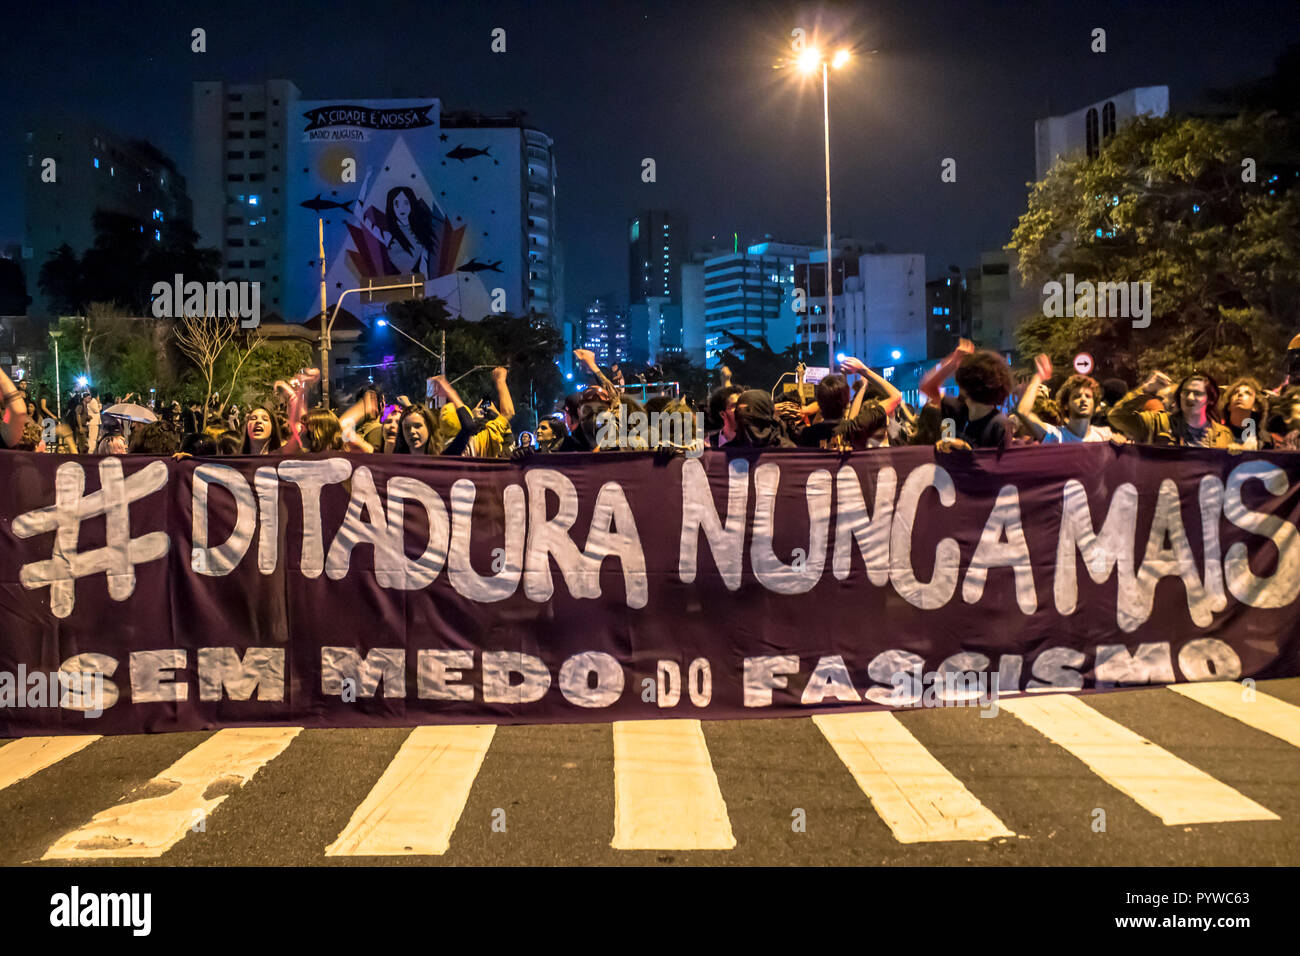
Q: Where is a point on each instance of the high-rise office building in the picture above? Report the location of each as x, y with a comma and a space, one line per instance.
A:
604, 331
656, 250
93, 169
750, 294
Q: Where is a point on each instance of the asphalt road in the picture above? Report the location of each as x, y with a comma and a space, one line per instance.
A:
553, 795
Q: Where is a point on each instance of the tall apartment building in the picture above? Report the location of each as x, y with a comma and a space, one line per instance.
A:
241, 145
94, 169
473, 197
1087, 129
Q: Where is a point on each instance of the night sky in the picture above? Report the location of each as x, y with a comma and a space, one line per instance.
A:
738, 146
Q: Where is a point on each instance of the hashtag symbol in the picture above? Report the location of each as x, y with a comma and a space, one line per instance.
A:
121, 552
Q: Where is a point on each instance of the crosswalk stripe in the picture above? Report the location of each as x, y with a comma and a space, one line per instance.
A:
417, 802
1165, 785
916, 796
1263, 712
666, 795
30, 755
178, 798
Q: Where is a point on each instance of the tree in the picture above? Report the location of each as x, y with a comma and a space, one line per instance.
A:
203, 339
128, 257
757, 365
1165, 203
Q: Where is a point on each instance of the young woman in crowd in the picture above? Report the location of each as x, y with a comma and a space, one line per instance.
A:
417, 432
263, 433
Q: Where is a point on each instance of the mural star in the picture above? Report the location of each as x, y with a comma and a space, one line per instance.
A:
444, 162
458, 218
304, 169
442, 138
496, 162
338, 285
493, 211
385, 169
475, 179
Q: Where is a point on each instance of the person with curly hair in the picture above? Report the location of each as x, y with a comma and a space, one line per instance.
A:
984, 382
1241, 402
1076, 400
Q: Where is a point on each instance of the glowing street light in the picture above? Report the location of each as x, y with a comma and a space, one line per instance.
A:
808, 61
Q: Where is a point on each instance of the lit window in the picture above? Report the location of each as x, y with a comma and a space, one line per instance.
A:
254, 200
97, 162
157, 236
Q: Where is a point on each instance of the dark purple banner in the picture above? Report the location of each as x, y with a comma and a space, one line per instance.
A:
139, 594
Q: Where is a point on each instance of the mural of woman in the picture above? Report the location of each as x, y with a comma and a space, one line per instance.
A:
411, 240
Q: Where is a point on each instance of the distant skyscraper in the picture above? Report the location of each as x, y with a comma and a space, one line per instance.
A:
95, 169
947, 313
604, 331
656, 251
1087, 129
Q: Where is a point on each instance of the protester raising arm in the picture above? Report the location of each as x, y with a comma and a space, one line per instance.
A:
1042, 374
1128, 416
15, 412
297, 392
894, 397
931, 384
588, 359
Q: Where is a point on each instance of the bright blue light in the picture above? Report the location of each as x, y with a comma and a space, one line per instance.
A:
896, 355
568, 376
839, 357
1098, 233
1195, 208
82, 381
381, 323
254, 200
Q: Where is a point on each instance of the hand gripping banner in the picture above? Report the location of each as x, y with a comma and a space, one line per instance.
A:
139, 594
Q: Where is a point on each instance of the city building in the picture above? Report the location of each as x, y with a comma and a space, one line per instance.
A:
999, 301
93, 169
750, 294
473, 196
240, 180
1087, 129
605, 332
879, 306
947, 309
693, 311
656, 251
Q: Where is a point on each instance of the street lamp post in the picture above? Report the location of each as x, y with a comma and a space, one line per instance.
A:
58, 386
809, 61
416, 287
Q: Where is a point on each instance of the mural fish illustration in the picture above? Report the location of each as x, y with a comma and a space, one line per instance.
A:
475, 266
463, 152
320, 205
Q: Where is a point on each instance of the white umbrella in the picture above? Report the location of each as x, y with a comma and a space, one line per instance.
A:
132, 413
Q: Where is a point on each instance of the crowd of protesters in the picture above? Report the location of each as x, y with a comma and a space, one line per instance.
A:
855, 408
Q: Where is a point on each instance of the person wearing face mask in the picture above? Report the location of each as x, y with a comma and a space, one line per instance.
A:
757, 425
1193, 423
262, 433
1243, 401
1077, 399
